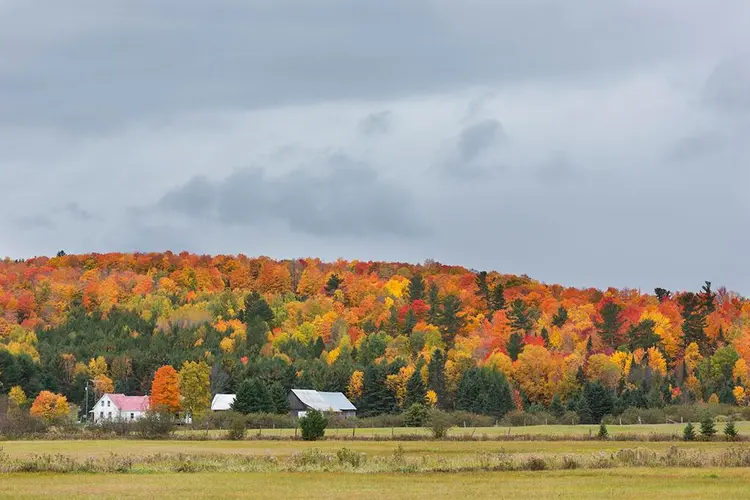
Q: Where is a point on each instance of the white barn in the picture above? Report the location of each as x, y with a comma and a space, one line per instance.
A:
120, 407
303, 400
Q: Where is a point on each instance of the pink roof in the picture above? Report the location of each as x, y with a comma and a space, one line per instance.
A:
129, 403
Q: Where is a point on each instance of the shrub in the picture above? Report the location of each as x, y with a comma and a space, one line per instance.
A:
534, 463
730, 431
603, 434
708, 428
416, 415
349, 457
688, 433
237, 428
155, 425
313, 425
439, 422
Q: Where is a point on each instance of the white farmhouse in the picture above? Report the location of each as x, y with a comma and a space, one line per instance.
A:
120, 407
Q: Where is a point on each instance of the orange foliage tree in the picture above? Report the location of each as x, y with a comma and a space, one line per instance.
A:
165, 390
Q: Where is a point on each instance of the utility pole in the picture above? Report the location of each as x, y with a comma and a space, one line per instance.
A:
86, 405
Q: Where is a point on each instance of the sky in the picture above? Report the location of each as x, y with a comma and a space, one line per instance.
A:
586, 143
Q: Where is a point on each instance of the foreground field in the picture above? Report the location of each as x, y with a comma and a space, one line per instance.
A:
625, 483
85, 449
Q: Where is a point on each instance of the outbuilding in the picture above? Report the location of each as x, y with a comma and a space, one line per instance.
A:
303, 400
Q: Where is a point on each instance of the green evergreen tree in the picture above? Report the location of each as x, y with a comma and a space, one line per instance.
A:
498, 297
410, 321
416, 288
708, 427
556, 407
433, 300
598, 400
313, 425
560, 317
693, 321
256, 309
244, 399
319, 347
662, 294
416, 415
584, 411
642, 335
333, 284
730, 430
436, 377
603, 433
519, 317
450, 321
393, 327
415, 390
280, 398
483, 289
610, 324
515, 345
377, 399
688, 433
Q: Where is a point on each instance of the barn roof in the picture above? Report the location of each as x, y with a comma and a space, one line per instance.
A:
222, 402
324, 401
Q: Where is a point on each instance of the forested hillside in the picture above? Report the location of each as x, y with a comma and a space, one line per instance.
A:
387, 334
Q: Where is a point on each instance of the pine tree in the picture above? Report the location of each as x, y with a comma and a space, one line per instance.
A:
410, 321
433, 300
450, 321
708, 428
377, 399
662, 294
280, 398
520, 319
545, 336
243, 400
415, 390
436, 377
584, 411
416, 288
333, 284
611, 323
730, 431
693, 321
688, 433
256, 309
318, 347
560, 317
483, 289
498, 297
515, 345
556, 407
393, 327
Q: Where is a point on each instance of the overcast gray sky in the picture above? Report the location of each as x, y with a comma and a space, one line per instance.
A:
589, 143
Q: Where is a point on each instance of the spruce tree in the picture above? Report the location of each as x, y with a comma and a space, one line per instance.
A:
280, 398
415, 390
730, 430
243, 401
436, 377
560, 317
333, 283
688, 433
603, 433
693, 321
610, 324
416, 288
433, 300
556, 407
708, 428
498, 297
520, 319
515, 345
483, 289
450, 321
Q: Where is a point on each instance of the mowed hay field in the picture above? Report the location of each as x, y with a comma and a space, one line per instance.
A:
635, 483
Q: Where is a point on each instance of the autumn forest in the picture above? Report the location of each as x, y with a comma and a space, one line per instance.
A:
386, 334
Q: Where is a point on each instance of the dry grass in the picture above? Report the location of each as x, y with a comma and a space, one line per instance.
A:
635, 483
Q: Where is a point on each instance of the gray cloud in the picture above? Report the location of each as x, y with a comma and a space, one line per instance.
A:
617, 147
340, 197
376, 123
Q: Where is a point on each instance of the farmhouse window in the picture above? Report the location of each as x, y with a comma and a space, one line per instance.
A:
132, 416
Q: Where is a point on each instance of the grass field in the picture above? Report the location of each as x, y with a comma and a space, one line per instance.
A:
621, 484
271, 468
553, 430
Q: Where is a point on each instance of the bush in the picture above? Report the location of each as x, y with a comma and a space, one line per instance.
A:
603, 433
313, 425
416, 415
349, 457
439, 422
155, 425
237, 428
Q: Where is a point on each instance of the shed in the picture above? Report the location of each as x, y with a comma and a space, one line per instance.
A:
303, 400
222, 402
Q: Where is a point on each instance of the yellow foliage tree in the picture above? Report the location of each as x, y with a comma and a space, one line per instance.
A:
602, 368
195, 387
17, 396
739, 395
713, 399
102, 385
656, 361
739, 371
430, 398
354, 389
98, 366
397, 383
